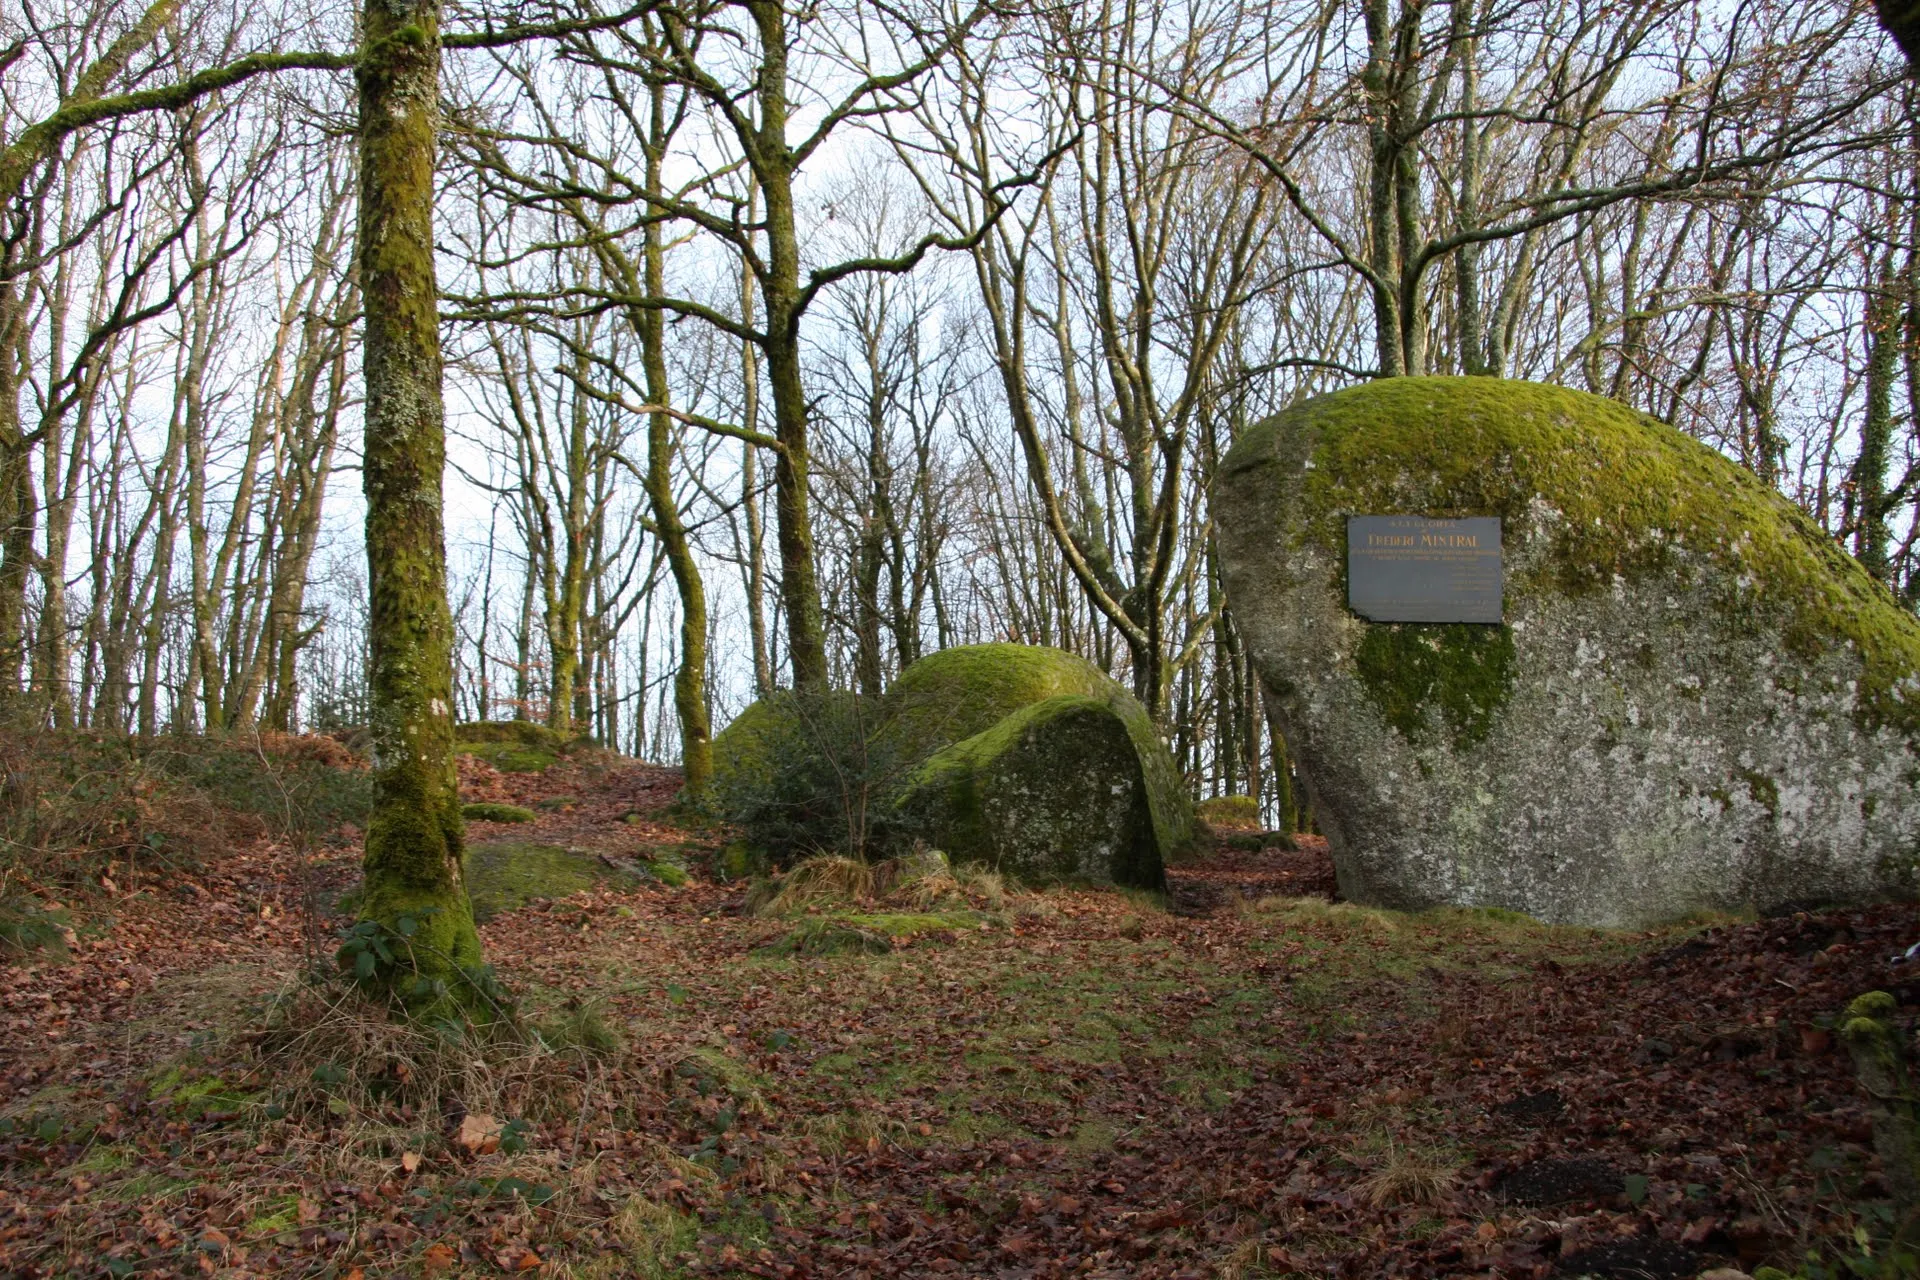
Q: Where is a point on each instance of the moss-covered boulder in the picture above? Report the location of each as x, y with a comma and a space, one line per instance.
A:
1054, 791
505, 875
957, 694
512, 746
1696, 700
1228, 813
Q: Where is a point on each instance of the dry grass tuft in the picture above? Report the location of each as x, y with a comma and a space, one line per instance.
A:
1405, 1175
819, 881
922, 881
1244, 1263
332, 1052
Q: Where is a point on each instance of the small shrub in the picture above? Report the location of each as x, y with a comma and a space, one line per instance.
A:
27, 924
804, 773
493, 811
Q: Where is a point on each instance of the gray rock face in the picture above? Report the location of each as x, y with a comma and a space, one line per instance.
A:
1053, 792
1696, 700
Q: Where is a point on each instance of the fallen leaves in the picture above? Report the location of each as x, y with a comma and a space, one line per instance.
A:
1071, 1095
476, 1135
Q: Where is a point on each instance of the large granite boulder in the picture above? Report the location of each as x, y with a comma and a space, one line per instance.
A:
1052, 792
965, 724
1696, 699
1028, 759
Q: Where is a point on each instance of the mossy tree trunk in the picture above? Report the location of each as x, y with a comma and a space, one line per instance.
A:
774, 165
690, 680
17, 516
565, 579
415, 846
1286, 804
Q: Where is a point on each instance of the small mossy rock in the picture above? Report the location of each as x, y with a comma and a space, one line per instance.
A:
506, 875
956, 694
523, 732
1228, 813
1696, 701
494, 811
1053, 792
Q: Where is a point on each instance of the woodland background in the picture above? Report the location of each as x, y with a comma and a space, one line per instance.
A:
941, 342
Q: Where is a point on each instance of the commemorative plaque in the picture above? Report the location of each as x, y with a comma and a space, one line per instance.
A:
1416, 569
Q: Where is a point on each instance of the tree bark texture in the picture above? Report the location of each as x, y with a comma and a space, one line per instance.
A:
415, 845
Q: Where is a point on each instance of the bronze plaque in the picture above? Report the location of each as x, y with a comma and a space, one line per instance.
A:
1417, 569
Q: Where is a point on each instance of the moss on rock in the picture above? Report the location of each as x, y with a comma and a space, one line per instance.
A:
1612, 492
956, 694
1054, 791
524, 732
780, 728
494, 811
511, 746
1462, 671
1228, 813
506, 875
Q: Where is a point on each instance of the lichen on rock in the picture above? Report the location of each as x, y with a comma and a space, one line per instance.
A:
1696, 699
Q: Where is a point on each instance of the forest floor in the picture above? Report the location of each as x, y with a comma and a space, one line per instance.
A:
1242, 1079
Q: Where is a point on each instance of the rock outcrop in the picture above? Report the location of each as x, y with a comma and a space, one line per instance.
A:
1054, 791
1696, 699
1029, 759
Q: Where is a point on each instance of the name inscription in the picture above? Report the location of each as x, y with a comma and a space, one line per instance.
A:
1419, 569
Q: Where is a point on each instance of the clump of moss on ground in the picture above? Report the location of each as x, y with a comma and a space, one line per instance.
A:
494, 811
1623, 494
511, 746
842, 906
855, 933
506, 875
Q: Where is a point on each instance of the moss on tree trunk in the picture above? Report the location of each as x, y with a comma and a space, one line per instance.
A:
415, 847
689, 682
